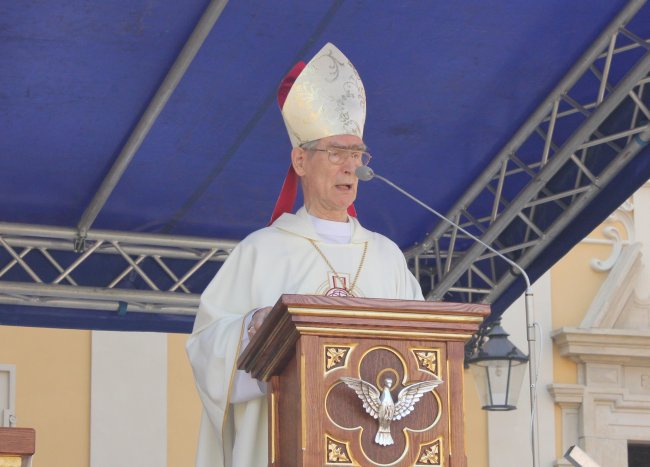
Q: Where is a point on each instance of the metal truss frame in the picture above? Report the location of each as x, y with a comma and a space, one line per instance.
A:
560, 159
570, 135
163, 266
176, 72
139, 252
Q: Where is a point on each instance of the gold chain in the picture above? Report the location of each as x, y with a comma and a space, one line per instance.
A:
336, 274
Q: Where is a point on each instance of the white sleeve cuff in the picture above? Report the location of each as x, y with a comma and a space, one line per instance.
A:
244, 386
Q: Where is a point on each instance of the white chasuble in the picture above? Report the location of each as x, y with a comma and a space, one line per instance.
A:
276, 260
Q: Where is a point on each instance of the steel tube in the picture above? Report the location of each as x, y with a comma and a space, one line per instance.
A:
124, 273
137, 268
587, 114
489, 281
103, 305
606, 139
97, 293
157, 104
542, 178
568, 112
606, 68
583, 169
470, 290
608, 174
639, 40
574, 74
169, 272
192, 270
77, 262
20, 261
13, 262
549, 133
505, 251
529, 223
623, 48
106, 249
499, 190
66, 233
56, 265
635, 113
549, 199
639, 103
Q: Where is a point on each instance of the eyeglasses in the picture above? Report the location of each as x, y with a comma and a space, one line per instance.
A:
338, 156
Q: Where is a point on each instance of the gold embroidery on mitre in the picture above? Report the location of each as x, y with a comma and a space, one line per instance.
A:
326, 99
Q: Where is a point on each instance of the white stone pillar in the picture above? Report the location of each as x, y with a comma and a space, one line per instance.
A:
641, 201
509, 440
128, 414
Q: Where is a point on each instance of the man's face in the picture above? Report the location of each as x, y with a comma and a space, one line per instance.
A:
328, 188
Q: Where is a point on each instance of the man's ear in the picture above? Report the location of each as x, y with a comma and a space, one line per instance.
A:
298, 157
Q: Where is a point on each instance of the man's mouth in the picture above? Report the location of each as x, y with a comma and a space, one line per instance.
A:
344, 186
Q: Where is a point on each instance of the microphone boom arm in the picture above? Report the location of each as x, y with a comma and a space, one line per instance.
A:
365, 173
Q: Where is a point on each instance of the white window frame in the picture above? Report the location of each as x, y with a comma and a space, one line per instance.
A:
8, 396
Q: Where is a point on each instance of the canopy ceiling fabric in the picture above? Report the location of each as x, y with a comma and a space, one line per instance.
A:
447, 83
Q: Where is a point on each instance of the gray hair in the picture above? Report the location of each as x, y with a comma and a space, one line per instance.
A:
310, 145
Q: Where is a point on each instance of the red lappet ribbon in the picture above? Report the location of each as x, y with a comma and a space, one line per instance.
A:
289, 191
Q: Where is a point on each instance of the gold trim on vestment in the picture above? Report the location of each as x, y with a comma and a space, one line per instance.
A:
226, 412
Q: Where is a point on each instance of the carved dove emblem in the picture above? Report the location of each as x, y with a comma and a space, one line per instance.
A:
380, 404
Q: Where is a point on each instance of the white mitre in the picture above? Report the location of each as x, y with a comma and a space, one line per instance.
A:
326, 99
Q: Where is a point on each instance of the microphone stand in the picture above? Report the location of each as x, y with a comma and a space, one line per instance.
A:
365, 173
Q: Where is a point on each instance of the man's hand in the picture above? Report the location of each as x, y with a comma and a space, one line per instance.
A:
257, 320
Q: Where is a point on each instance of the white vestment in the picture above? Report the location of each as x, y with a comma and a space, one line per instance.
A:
268, 263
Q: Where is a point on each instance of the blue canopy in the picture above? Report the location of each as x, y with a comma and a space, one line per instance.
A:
448, 85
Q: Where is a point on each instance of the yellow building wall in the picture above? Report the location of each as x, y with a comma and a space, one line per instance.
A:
53, 377
183, 405
53, 394
52, 391
574, 284
476, 429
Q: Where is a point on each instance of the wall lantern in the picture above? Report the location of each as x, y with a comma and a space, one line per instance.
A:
498, 368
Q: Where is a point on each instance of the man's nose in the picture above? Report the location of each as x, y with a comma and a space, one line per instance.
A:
350, 164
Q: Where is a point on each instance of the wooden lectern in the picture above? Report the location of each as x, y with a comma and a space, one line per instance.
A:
309, 342
17, 446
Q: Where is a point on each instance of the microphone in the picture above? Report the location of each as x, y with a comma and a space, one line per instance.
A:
365, 174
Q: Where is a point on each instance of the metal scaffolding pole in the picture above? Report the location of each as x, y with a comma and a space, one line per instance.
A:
542, 178
165, 268
155, 107
170, 262
542, 207
540, 114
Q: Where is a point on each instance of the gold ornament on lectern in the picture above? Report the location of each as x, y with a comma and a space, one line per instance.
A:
380, 405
